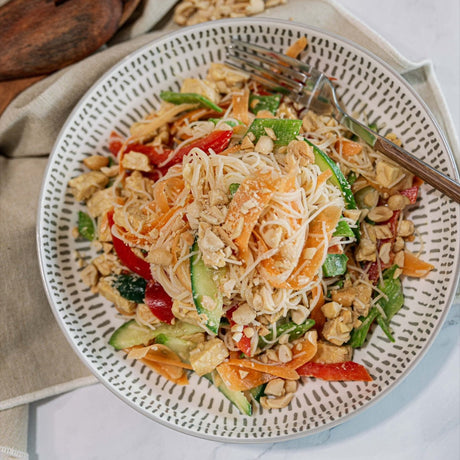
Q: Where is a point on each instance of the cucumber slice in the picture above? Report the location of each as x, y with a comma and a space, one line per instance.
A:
337, 178
237, 398
179, 346
258, 392
335, 265
132, 333
361, 194
203, 280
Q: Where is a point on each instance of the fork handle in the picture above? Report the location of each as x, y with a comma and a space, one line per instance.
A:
408, 161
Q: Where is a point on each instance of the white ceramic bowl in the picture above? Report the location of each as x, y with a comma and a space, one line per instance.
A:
129, 91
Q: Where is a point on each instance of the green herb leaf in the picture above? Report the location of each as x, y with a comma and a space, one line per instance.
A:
359, 334
393, 290
85, 226
383, 323
343, 229
233, 189
131, 287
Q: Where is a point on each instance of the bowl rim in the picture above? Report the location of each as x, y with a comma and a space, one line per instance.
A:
39, 236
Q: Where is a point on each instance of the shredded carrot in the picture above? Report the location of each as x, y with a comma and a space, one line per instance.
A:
172, 184
413, 266
130, 238
347, 147
273, 275
231, 375
259, 190
161, 222
309, 266
277, 370
297, 47
240, 102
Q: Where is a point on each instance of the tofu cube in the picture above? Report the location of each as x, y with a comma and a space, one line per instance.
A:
387, 174
329, 353
136, 161
203, 87
208, 355
101, 202
85, 185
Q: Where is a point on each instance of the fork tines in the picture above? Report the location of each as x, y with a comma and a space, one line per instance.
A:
274, 70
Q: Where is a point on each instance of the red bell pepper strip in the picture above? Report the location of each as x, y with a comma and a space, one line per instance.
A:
115, 143
216, 141
347, 371
411, 193
372, 271
127, 256
155, 155
244, 344
159, 302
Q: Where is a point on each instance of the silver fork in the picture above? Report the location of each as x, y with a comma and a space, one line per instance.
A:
311, 88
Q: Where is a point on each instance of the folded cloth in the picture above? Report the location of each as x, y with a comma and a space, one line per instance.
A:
36, 360
13, 438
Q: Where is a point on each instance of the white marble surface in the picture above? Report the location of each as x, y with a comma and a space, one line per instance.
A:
420, 419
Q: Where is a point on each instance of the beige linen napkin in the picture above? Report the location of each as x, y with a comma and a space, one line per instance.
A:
35, 359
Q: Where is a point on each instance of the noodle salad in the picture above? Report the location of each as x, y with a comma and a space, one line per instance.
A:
246, 239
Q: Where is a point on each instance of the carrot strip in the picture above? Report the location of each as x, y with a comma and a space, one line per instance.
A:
240, 103
309, 265
323, 177
158, 354
168, 372
297, 47
159, 192
232, 377
413, 266
169, 362
161, 222
309, 349
278, 370
160, 197
347, 147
